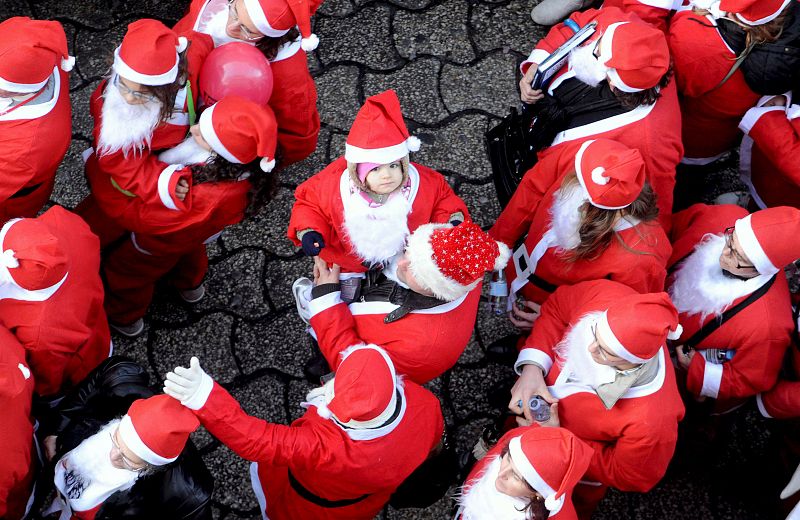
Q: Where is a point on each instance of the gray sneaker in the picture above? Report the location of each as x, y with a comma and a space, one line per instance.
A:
131, 330
550, 12
301, 289
193, 295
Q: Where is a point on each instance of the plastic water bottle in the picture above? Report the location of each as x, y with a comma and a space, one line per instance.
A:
498, 293
718, 356
540, 409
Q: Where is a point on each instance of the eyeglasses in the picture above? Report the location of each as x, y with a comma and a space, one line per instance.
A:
244, 31
603, 352
736, 256
126, 90
129, 465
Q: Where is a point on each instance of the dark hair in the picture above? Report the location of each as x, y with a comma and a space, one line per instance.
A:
755, 34
263, 185
597, 225
534, 509
269, 45
646, 96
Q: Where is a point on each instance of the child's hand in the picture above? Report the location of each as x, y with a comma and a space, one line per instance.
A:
182, 189
312, 243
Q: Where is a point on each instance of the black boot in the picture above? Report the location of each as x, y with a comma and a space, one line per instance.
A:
503, 351
317, 366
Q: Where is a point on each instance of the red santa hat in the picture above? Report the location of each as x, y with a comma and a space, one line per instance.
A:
31, 256
156, 429
552, 461
611, 174
451, 260
765, 237
275, 18
754, 12
636, 54
29, 51
240, 130
379, 134
149, 53
635, 329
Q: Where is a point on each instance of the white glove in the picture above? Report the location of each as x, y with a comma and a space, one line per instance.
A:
793, 486
191, 386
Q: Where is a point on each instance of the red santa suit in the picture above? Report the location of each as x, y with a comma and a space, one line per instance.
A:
638, 259
16, 428
34, 133
771, 142
635, 437
294, 94
652, 129
782, 401
129, 179
364, 433
552, 461
760, 333
655, 12
52, 300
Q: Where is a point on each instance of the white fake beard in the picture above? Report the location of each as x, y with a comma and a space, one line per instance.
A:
699, 286
89, 462
125, 127
566, 216
377, 234
216, 29
574, 356
482, 501
187, 152
586, 67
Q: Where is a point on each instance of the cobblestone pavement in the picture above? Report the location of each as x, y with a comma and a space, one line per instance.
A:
453, 64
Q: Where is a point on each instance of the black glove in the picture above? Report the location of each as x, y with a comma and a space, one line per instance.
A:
312, 243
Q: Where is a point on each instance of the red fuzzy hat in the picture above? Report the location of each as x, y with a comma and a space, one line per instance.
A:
379, 134
552, 461
29, 51
635, 329
149, 53
32, 255
156, 429
451, 261
240, 130
612, 175
636, 54
754, 12
275, 18
364, 388
768, 238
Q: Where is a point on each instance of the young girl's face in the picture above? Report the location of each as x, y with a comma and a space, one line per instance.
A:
199, 139
385, 178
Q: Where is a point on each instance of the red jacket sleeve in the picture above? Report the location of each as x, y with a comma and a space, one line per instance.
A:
447, 202
778, 138
335, 327
782, 401
312, 205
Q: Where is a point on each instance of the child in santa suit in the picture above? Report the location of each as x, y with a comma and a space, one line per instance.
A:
365, 431
359, 210
16, 428
35, 112
233, 147
281, 29
705, 43
51, 297
769, 147
532, 469
143, 107
584, 216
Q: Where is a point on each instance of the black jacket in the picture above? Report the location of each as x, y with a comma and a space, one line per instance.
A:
181, 491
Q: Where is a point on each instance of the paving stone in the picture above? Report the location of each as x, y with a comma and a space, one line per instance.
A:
482, 202
363, 37
299, 172
457, 146
507, 27
262, 397
276, 341
92, 13
232, 479
234, 285
338, 103
468, 386
267, 229
279, 277
440, 31
335, 8
417, 87
70, 187
297, 394
15, 8
95, 49
464, 87
136, 349
82, 122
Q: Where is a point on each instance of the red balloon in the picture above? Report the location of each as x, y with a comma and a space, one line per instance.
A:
236, 69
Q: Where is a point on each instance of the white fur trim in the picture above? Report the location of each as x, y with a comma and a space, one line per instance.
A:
323, 303
761, 407
752, 248
287, 50
132, 440
200, 397
153, 80
533, 477
598, 177
267, 165
258, 490
424, 268
310, 43
766, 19
68, 63
33, 111
260, 19
9, 289
211, 137
26, 373
746, 169
529, 356
503, 258
604, 125
582, 182
662, 4
164, 179
182, 44
375, 155
606, 54
752, 116
536, 56
25, 88
413, 143
675, 334
604, 331
712, 379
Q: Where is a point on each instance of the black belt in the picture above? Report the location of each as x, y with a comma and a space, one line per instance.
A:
317, 500
542, 284
27, 190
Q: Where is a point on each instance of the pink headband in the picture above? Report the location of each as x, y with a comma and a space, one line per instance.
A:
364, 168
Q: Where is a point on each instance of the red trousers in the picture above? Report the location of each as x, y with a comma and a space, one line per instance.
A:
27, 206
106, 228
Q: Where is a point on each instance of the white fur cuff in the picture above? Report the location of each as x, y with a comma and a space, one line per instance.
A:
533, 356
200, 397
323, 303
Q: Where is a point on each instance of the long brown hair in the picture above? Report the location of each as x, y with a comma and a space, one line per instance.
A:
647, 96
597, 225
269, 45
755, 34
534, 509
263, 185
